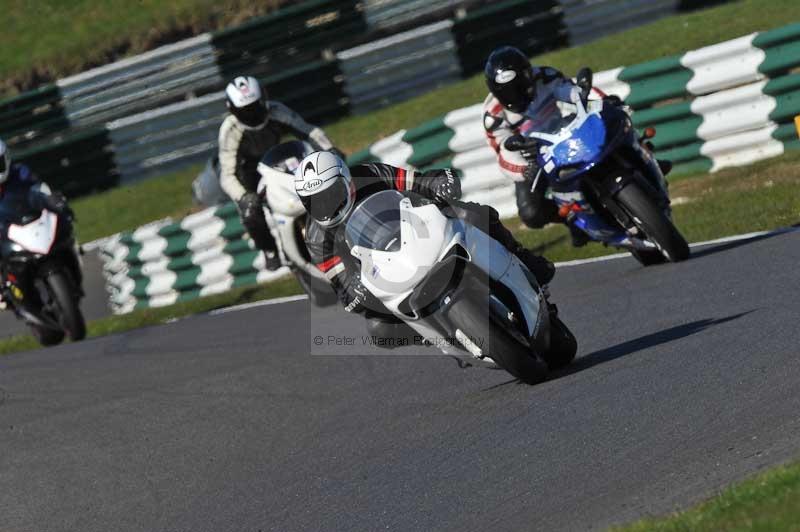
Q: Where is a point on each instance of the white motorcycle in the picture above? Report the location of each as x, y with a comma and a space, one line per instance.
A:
286, 217
456, 286
41, 269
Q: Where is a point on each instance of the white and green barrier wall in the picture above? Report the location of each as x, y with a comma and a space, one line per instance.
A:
725, 105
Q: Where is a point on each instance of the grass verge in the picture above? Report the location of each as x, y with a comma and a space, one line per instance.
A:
759, 197
770, 501
129, 206
48, 39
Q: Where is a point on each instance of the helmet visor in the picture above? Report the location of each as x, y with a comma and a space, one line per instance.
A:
515, 96
3, 163
252, 115
326, 204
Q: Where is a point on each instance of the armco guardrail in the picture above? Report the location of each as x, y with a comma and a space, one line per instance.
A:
77, 164
32, 116
167, 138
533, 27
399, 67
587, 20
723, 105
146, 81
387, 14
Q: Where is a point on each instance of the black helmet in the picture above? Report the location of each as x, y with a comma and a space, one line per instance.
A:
246, 102
510, 78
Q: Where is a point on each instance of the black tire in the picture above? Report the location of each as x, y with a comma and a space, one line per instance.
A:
46, 336
563, 345
658, 228
66, 299
648, 257
471, 317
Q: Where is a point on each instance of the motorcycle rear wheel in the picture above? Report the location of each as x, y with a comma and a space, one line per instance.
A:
66, 300
658, 228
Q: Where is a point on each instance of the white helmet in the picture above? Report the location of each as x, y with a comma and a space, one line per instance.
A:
245, 101
5, 162
325, 187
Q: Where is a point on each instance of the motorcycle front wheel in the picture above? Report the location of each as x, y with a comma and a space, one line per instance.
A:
46, 336
656, 226
66, 301
470, 315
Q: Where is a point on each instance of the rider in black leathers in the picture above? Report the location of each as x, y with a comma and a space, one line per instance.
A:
325, 240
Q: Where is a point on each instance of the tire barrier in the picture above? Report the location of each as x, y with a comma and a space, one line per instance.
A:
168, 262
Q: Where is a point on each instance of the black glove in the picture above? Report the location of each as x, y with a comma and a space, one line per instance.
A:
357, 294
57, 203
249, 203
527, 147
442, 185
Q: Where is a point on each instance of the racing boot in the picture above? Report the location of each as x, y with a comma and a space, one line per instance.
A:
540, 267
665, 166
579, 238
271, 260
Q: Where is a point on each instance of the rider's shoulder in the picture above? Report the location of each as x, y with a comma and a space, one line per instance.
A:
548, 73
280, 111
492, 106
22, 172
231, 128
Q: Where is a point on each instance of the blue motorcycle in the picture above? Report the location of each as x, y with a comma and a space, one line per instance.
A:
601, 177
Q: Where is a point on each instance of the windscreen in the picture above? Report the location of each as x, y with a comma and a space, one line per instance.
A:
286, 157
549, 116
375, 223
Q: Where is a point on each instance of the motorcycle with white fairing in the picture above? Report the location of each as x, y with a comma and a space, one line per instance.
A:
286, 217
41, 271
457, 287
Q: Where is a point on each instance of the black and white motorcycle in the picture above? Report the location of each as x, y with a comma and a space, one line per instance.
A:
41, 272
456, 286
286, 217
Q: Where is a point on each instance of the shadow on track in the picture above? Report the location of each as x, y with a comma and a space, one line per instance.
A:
719, 248
643, 342
625, 348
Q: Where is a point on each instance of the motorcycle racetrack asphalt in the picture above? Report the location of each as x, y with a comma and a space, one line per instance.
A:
687, 379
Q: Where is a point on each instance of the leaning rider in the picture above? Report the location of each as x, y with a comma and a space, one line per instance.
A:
515, 87
17, 180
330, 191
254, 126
